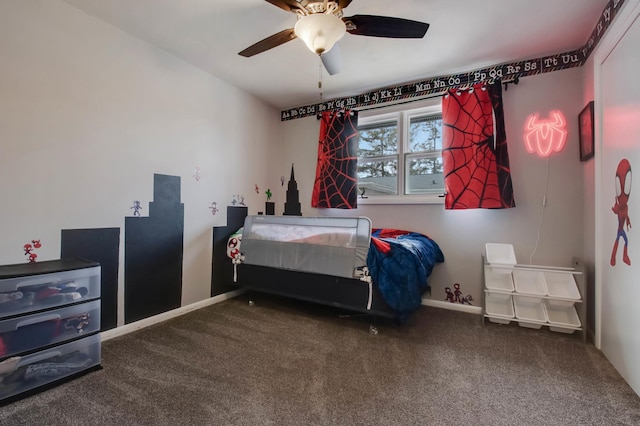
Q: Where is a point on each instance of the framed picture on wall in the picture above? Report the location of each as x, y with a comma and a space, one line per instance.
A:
585, 120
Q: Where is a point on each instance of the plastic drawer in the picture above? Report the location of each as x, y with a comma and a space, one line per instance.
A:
30, 332
497, 281
530, 311
21, 374
529, 282
32, 293
561, 285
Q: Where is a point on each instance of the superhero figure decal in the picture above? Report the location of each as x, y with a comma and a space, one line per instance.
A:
621, 209
29, 250
455, 295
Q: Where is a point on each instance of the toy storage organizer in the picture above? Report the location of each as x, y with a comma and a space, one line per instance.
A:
533, 296
49, 324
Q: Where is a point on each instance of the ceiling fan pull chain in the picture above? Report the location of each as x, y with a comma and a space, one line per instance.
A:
320, 77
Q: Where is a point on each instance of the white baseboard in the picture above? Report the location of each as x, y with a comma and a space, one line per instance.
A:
143, 323
452, 306
128, 328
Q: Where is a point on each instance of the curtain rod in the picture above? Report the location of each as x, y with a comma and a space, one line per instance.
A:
387, 105
515, 81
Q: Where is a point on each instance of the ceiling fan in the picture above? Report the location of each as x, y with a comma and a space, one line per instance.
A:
321, 24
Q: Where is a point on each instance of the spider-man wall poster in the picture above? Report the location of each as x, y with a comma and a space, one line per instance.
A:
475, 159
336, 180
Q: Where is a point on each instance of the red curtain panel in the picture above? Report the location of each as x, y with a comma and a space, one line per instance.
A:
336, 180
474, 149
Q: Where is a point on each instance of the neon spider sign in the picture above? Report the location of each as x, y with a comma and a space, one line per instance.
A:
544, 137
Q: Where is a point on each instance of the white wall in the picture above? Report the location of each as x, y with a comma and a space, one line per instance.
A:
88, 114
617, 95
462, 234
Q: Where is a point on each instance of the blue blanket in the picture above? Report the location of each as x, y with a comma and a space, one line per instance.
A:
400, 263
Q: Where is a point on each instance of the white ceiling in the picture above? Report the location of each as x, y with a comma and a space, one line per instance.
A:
464, 35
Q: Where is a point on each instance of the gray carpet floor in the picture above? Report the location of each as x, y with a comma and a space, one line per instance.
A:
284, 362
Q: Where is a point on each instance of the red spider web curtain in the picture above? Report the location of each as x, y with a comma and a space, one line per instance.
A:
336, 171
475, 162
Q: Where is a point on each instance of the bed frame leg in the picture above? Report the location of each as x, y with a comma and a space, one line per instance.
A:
373, 326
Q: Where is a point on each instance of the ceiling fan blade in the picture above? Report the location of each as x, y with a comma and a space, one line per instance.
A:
385, 26
332, 60
289, 5
269, 43
343, 3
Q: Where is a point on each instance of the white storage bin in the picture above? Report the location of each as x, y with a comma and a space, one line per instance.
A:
529, 282
497, 281
563, 316
501, 257
527, 324
500, 320
561, 285
530, 311
499, 307
562, 329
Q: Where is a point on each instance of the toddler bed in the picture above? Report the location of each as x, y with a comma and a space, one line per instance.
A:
341, 262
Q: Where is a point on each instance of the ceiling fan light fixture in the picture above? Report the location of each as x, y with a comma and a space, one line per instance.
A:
320, 31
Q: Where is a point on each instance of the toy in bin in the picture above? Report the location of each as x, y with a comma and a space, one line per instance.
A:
41, 295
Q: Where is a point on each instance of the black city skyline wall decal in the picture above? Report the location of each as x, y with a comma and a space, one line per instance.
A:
154, 253
99, 245
221, 272
153, 256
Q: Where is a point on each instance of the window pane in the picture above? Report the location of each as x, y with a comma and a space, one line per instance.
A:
377, 140
425, 133
378, 177
424, 176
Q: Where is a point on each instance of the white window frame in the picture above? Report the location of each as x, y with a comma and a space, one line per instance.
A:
402, 114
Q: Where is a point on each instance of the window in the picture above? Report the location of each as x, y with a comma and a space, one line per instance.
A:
400, 155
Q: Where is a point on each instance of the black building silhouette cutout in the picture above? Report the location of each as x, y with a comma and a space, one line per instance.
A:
292, 206
153, 253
